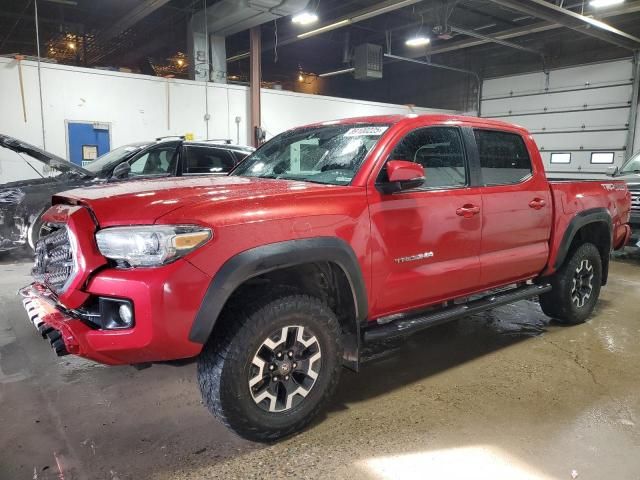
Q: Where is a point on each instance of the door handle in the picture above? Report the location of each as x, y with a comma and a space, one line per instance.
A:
537, 203
468, 210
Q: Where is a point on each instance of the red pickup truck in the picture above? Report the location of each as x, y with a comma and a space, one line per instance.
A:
328, 237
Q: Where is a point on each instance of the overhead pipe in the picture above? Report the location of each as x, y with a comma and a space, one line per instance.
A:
337, 72
445, 67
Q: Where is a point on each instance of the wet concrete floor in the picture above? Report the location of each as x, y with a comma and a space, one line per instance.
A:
506, 394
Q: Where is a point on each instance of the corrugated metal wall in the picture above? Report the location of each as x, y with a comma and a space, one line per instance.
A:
581, 111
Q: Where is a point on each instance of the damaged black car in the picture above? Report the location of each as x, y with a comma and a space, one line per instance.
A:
29, 176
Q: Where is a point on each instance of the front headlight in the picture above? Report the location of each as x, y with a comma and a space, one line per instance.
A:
149, 246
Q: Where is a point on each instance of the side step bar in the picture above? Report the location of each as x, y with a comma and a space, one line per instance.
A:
414, 323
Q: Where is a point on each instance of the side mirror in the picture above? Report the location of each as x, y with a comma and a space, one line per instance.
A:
613, 170
402, 175
121, 171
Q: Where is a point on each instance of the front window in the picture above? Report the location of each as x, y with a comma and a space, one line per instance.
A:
113, 158
159, 160
633, 165
330, 154
439, 150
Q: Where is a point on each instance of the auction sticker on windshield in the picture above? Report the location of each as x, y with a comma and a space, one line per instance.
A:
365, 131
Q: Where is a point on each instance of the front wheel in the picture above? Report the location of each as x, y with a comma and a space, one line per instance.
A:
270, 369
576, 287
37, 230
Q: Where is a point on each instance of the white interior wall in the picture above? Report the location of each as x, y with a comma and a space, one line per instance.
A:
282, 110
140, 107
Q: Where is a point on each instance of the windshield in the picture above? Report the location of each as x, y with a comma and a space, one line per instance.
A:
633, 165
114, 157
329, 154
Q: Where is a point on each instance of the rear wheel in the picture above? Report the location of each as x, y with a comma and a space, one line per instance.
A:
576, 287
272, 367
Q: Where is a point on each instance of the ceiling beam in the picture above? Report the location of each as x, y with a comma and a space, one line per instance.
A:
567, 18
504, 43
525, 30
353, 18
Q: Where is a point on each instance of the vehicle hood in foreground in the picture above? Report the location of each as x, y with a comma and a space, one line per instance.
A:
144, 201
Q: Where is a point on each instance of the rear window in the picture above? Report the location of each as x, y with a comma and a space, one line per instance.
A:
207, 160
504, 158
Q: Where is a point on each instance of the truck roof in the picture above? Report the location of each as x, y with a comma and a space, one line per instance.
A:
435, 118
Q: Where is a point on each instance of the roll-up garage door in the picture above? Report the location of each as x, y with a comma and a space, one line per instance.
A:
579, 116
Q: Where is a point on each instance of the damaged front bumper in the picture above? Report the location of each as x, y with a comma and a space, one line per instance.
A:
50, 322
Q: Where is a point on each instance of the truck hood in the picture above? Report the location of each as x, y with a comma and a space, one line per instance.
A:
144, 201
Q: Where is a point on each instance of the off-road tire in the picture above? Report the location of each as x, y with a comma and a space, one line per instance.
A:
224, 366
560, 303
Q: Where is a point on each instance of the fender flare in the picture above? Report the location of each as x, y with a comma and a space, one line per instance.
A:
274, 256
586, 217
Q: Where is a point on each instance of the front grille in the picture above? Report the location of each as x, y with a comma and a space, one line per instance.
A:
54, 264
635, 201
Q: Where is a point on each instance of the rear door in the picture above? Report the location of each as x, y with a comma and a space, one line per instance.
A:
204, 160
517, 209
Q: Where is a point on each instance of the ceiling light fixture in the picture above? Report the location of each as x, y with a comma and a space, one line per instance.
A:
604, 3
305, 18
418, 41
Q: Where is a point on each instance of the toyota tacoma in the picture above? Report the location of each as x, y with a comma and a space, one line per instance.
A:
327, 238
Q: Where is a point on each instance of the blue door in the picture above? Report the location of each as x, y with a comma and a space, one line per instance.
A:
87, 141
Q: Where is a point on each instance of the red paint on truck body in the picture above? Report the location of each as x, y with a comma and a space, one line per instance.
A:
472, 238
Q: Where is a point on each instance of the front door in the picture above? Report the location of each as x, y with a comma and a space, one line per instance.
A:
157, 161
426, 241
516, 209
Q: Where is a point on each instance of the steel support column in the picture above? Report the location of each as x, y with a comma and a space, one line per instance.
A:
255, 51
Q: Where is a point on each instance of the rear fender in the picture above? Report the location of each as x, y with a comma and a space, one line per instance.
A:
581, 220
